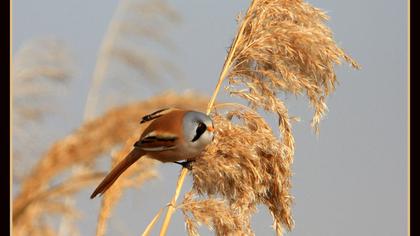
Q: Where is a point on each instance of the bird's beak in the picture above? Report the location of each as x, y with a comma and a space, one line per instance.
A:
210, 128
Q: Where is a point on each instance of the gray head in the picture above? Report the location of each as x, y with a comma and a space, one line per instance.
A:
198, 130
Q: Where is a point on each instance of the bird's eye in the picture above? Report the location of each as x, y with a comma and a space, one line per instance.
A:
201, 128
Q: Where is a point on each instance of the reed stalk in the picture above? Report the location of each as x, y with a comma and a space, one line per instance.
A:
281, 46
171, 207
222, 75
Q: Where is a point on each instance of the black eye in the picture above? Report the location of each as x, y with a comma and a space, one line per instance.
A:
201, 128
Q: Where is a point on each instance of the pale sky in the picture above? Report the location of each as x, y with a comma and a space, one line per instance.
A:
351, 180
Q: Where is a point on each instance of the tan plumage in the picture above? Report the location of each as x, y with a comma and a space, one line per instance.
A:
164, 140
132, 157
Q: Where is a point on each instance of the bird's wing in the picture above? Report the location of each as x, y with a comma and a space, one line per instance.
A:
164, 133
157, 142
156, 114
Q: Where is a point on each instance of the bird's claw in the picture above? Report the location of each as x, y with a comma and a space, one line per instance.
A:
185, 164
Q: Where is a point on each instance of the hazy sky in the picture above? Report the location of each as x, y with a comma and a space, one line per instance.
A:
351, 180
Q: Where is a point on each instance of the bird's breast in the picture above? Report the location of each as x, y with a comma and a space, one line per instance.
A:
177, 154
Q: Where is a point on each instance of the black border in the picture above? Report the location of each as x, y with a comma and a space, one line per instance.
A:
413, 124
5, 119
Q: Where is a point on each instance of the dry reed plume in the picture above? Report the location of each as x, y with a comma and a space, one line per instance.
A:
84, 146
34, 217
285, 47
41, 67
238, 173
135, 23
281, 46
216, 214
41, 58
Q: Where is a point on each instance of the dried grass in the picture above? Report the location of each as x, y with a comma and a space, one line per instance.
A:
244, 171
134, 23
41, 67
42, 58
118, 46
49, 60
136, 175
33, 216
281, 46
216, 214
285, 47
84, 146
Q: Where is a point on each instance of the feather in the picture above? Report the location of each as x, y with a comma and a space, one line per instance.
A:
157, 142
132, 157
155, 115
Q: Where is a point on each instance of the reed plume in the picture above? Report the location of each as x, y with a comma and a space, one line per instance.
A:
40, 58
282, 46
285, 47
41, 68
141, 171
34, 216
84, 146
216, 214
242, 172
135, 23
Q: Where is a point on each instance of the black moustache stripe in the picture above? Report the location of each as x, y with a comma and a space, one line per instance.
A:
200, 131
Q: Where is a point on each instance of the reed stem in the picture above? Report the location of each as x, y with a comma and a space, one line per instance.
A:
102, 64
228, 62
171, 207
152, 223
224, 72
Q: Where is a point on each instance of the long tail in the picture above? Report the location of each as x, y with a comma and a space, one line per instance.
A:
132, 157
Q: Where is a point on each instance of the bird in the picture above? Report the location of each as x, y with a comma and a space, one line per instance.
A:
173, 135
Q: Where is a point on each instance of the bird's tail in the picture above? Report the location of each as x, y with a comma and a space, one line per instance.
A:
132, 157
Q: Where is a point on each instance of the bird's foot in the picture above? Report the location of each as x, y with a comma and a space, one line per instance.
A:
185, 164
